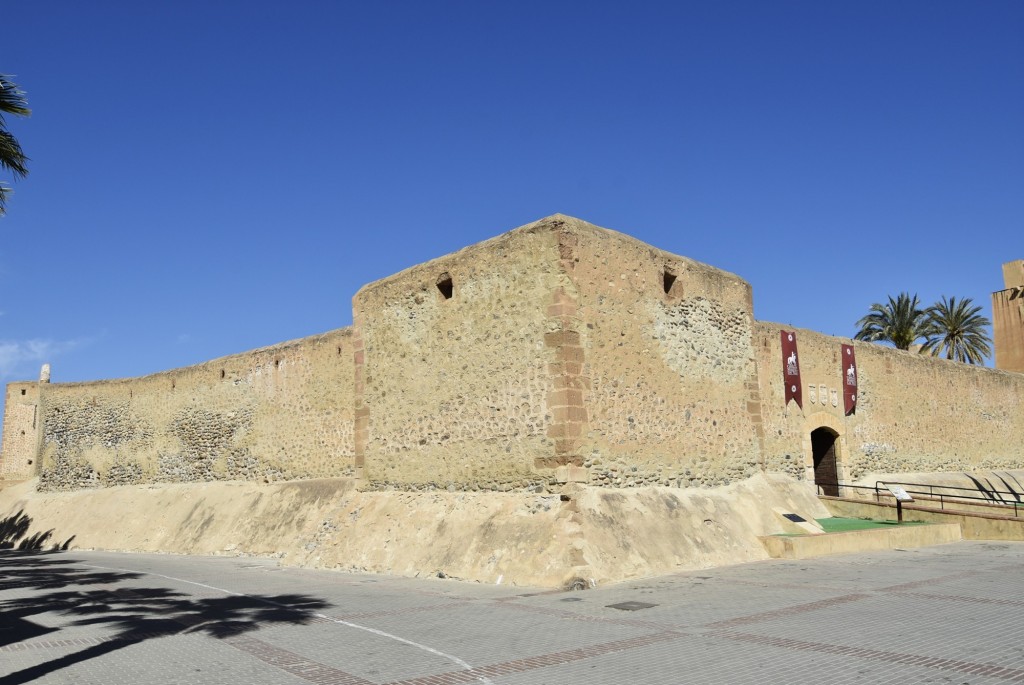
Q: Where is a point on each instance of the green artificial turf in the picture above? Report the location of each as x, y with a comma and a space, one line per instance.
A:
838, 524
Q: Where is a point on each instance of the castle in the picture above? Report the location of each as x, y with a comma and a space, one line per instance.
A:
557, 353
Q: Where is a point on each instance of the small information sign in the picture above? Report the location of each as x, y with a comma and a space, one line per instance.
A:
899, 493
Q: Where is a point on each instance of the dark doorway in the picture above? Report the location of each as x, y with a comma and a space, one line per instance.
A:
823, 446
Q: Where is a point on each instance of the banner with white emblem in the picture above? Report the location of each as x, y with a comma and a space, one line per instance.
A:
791, 369
849, 379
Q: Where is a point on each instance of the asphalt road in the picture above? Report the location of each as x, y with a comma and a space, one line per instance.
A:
947, 614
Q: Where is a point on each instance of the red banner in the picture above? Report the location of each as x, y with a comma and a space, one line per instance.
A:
791, 369
849, 379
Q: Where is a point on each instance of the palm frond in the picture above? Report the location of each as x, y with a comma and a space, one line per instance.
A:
12, 99
900, 322
12, 157
957, 330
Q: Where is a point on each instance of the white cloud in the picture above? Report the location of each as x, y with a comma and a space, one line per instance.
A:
17, 358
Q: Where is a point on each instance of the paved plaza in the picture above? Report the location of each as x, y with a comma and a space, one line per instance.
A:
947, 614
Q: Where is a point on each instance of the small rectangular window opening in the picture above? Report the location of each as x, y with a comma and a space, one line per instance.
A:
23, 391
445, 286
668, 280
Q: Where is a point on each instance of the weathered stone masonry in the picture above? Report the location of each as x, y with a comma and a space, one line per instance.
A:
915, 413
277, 413
558, 352
20, 447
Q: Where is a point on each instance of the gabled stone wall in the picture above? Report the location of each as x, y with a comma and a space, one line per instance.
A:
453, 374
669, 369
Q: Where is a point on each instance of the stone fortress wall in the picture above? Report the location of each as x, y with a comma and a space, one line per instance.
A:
454, 378
277, 413
558, 352
668, 367
915, 413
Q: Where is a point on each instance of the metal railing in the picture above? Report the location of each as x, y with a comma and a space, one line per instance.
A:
985, 496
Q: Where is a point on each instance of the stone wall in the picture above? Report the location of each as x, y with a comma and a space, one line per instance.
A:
558, 356
21, 434
452, 370
282, 412
557, 352
914, 412
670, 383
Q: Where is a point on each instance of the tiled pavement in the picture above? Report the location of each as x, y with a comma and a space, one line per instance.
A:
948, 614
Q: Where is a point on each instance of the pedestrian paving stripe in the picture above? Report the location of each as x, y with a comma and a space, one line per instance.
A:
929, 581
542, 661
78, 642
787, 611
958, 598
988, 670
290, 662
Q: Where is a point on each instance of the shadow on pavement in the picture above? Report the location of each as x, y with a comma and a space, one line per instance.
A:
135, 614
50, 571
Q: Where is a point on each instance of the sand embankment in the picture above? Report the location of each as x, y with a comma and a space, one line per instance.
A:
600, 535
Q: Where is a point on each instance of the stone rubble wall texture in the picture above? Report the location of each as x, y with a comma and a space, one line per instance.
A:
453, 392
21, 431
277, 413
556, 353
667, 376
915, 413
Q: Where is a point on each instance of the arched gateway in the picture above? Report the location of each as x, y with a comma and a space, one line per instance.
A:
823, 449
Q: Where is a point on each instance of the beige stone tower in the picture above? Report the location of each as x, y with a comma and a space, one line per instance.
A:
21, 436
1008, 318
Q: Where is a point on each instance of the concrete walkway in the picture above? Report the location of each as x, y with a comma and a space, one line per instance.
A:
953, 613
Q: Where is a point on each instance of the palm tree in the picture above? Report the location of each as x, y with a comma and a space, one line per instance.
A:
957, 328
12, 101
900, 322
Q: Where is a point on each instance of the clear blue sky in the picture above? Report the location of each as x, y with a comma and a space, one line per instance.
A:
211, 177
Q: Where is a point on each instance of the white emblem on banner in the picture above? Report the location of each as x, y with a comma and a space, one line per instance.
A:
791, 366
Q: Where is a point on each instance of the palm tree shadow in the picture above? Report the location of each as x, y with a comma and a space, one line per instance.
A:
42, 570
137, 614
14, 531
13, 528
